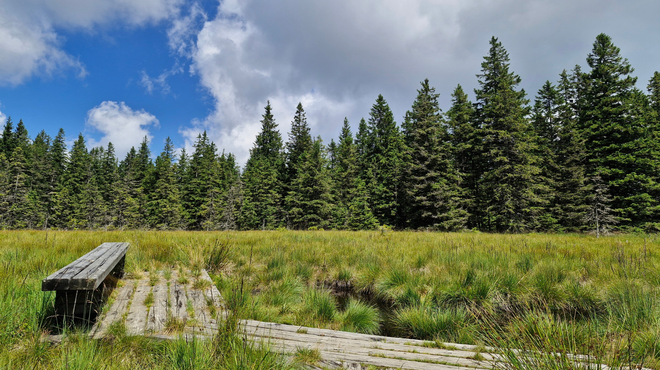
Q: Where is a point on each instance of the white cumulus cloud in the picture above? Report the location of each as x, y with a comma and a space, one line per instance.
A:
120, 125
30, 44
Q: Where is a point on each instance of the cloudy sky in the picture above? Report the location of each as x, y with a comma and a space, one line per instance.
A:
119, 70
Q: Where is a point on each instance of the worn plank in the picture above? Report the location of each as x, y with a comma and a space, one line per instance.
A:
348, 343
389, 363
359, 336
178, 299
367, 348
79, 264
348, 335
201, 314
381, 362
212, 292
137, 314
158, 312
366, 359
343, 357
116, 311
394, 355
213, 297
57, 280
88, 271
97, 271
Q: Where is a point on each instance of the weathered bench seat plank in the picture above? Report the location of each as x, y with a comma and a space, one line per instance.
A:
88, 271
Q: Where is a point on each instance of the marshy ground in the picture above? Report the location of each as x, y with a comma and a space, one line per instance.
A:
546, 293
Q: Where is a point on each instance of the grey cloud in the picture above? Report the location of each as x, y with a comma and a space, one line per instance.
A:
341, 54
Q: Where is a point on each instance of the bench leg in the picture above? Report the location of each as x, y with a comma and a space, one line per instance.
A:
118, 271
77, 306
83, 306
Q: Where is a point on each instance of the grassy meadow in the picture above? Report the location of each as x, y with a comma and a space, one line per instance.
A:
549, 294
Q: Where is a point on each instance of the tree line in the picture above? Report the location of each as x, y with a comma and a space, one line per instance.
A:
584, 156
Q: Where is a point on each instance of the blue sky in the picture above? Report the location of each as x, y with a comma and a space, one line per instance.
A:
116, 57
117, 70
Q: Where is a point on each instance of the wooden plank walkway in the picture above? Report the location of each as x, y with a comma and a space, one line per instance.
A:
168, 307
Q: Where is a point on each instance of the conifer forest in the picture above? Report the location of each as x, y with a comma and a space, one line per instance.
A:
584, 156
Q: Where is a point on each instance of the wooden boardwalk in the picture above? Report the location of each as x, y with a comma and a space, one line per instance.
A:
168, 307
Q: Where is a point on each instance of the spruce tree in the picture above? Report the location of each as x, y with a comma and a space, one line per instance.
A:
214, 206
262, 197
363, 145
650, 147
599, 213
164, 204
344, 173
654, 92
181, 171
310, 197
142, 166
466, 150
546, 121
96, 209
571, 186
73, 202
431, 182
58, 159
233, 192
509, 193
359, 215
199, 181
57, 164
129, 189
332, 154
39, 179
614, 124
108, 177
382, 160
18, 202
299, 143
7, 142
21, 137
4, 192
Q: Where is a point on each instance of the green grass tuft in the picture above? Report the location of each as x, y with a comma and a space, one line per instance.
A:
428, 323
307, 356
318, 305
360, 317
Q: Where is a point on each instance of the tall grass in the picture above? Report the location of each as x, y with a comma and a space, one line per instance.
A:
360, 317
318, 305
26, 257
446, 325
520, 287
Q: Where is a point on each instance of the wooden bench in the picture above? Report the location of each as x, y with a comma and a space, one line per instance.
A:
82, 285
